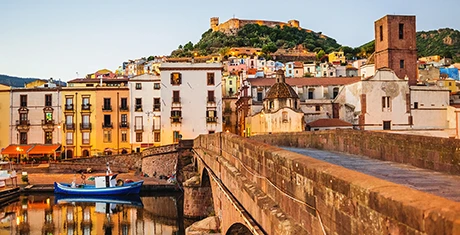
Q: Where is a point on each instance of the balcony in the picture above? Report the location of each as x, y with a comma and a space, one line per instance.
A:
69, 126
176, 102
86, 107
107, 125
68, 108
85, 126
138, 108
138, 128
22, 125
124, 125
107, 108
156, 107
176, 119
211, 101
124, 108
211, 119
69, 141
47, 124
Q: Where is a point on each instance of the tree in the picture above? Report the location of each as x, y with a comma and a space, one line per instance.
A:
269, 48
188, 46
150, 58
320, 54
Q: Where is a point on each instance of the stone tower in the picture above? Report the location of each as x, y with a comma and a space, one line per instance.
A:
395, 46
214, 24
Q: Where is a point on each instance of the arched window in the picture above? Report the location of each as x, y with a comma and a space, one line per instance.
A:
285, 116
85, 153
335, 92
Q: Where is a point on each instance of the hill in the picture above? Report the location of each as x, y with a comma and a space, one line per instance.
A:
19, 82
260, 36
443, 42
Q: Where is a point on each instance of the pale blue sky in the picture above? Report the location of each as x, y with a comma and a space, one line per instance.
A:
59, 38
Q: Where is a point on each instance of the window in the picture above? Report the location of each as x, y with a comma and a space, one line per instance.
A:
401, 31
176, 136
335, 92
415, 105
386, 104
124, 103
23, 99
69, 138
107, 136
176, 113
138, 86
230, 82
23, 138
387, 125
85, 103
48, 100
48, 137
138, 123
107, 105
211, 116
211, 97
271, 105
156, 136
317, 108
107, 120
310, 94
69, 122
138, 137
24, 118
259, 96
69, 103
176, 79
124, 120
156, 104
381, 32
210, 79
85, 137
285, 116
48, 117
124, 136
176, 97
401, 64
138, 104
156, 122
156, 86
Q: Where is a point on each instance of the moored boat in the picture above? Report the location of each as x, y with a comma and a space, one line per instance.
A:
126, 188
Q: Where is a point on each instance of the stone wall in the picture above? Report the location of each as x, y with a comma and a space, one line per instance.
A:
316, 194
118, 163
160, 161
197, 201
439, 154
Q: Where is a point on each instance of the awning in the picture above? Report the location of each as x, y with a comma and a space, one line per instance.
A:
16, 149
44, 149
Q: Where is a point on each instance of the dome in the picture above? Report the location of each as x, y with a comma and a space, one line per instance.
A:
281, 90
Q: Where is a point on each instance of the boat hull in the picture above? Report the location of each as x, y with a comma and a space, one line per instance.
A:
128, 188
132, 200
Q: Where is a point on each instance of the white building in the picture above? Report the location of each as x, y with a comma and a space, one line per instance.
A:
145, 109
429, 107
191, 100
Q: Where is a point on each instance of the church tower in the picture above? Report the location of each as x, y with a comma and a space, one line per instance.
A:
395, 46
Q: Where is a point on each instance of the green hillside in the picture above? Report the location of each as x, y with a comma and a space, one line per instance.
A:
261, 36
20, 82
443, 42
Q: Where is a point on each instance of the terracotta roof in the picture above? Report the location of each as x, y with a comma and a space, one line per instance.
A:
89, 80
329, 122
321, 81
281, 90
298, 64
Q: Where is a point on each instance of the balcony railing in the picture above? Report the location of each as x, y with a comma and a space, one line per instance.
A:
23, 122
176, 99
176, 119
69, 126
85, 126
85, 141
124, 108
68, 107
107, 125
211, 119
156, 107
138, 128
86, 107
47, 122
107, 108
124, 124
138, 108
69, 141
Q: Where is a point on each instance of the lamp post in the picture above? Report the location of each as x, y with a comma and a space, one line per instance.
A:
19, 149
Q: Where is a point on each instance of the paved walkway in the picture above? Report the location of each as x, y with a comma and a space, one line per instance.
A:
440, 184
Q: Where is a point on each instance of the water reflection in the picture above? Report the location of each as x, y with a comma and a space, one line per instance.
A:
47, 214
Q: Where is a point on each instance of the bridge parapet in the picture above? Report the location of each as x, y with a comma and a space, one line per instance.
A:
315, 197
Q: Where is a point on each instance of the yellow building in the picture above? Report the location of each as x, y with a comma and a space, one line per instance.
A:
96, 117
448, 83
36, 83
337, 56
433, 58
5, 101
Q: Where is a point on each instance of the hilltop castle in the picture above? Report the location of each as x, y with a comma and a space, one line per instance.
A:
232, 26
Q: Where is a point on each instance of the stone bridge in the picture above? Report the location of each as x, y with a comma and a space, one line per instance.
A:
259, 188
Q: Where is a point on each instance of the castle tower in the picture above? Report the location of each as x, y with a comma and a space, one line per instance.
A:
294, 23
395, 46
214, 23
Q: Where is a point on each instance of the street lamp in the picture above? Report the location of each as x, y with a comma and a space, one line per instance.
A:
19, 149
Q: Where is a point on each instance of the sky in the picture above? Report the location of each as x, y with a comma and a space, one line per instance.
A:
66, 39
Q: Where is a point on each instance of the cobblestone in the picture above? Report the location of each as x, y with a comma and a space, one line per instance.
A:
440, 184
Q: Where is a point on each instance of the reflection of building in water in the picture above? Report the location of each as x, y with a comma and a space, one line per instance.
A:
39, 214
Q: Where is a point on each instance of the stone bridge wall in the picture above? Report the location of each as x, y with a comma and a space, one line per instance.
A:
118, 163
439, 154
315, 194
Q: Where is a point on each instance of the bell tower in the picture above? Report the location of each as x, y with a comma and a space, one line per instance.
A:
395, 46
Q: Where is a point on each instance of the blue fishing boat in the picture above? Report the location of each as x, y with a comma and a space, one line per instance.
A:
106, 184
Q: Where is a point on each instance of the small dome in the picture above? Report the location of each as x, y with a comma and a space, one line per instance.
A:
281, 89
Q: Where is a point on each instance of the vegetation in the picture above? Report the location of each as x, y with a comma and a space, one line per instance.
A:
260, 36
20, 82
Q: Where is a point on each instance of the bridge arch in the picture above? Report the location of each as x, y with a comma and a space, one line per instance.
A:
205, 181
238, 229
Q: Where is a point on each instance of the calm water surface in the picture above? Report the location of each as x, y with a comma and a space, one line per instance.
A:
49, 214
